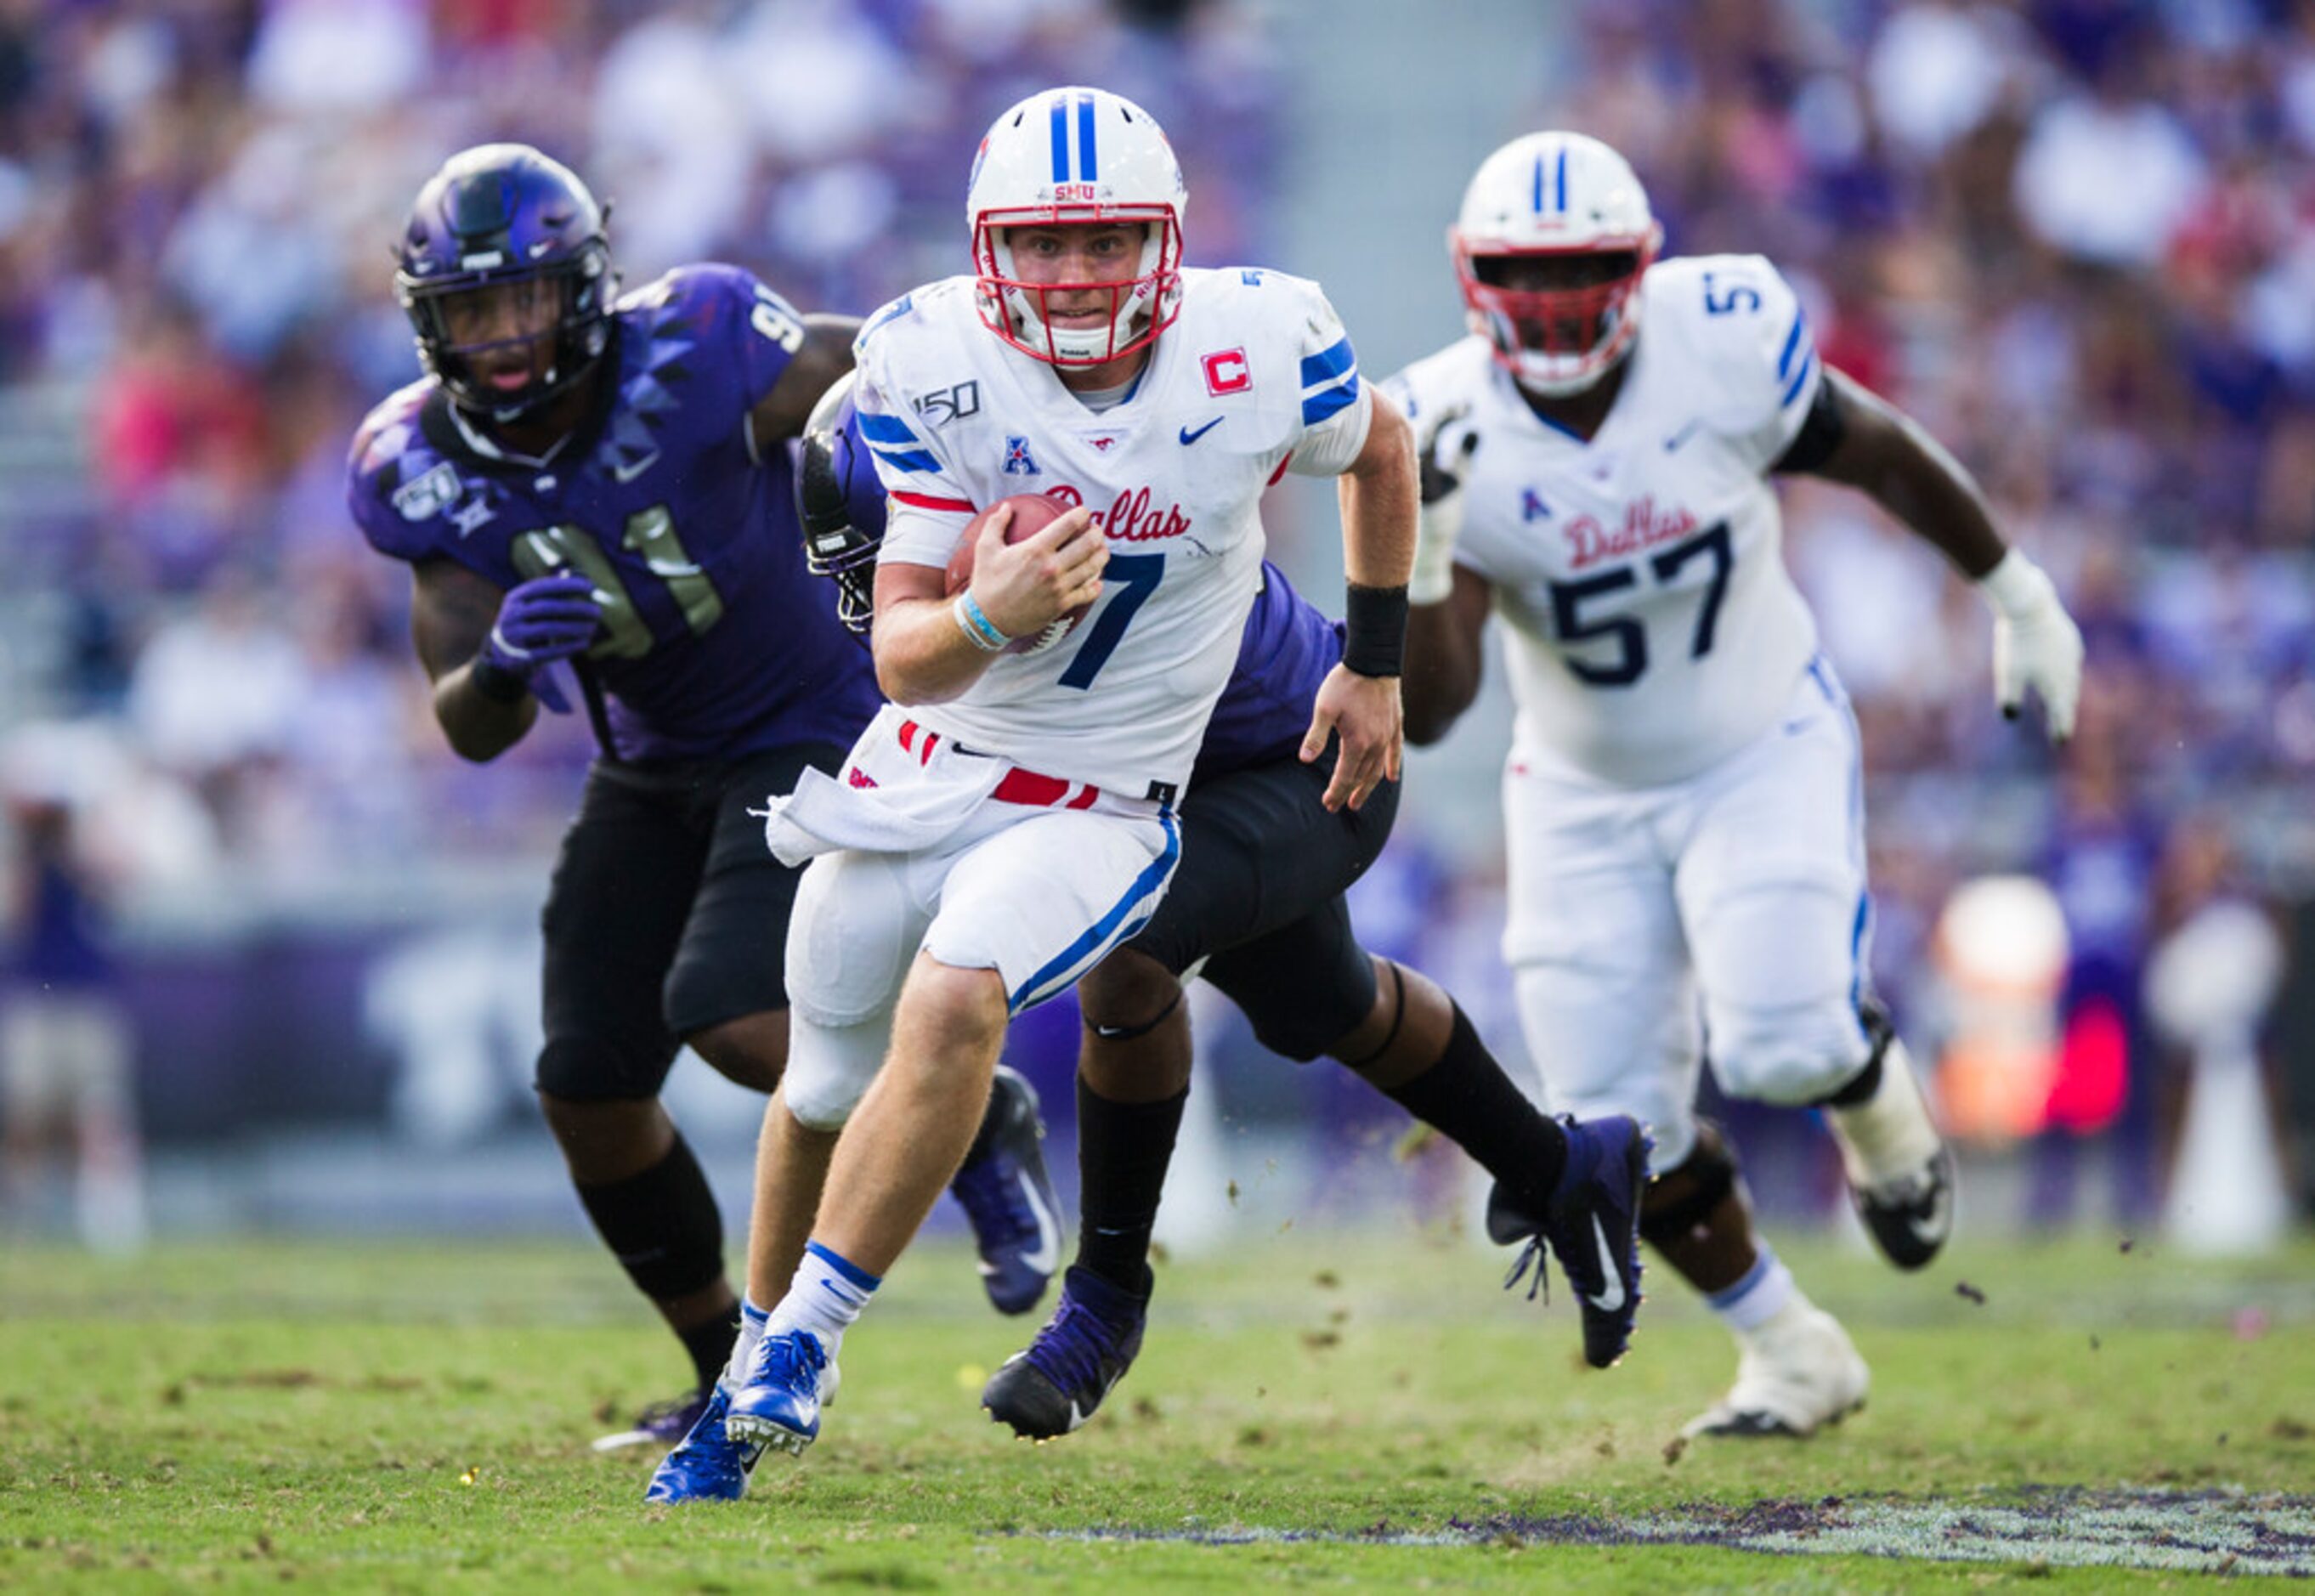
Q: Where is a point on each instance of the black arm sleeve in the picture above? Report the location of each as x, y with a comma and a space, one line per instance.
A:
1821, 433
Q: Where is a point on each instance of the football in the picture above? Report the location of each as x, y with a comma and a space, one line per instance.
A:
1031, 514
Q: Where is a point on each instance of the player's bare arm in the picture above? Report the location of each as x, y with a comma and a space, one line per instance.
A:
1445, 658
1447, 603
824, 355
1359, 699
451, 613
1856, 437
1884, 454
926, 656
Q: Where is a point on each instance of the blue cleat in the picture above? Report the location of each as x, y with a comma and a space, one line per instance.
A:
788, 1380
1084, 1350
1008, 1195
1593, 1225
708, 1463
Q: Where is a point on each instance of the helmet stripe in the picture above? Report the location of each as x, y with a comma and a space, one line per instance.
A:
1538, 185
1086, 171
1060, 126
1559, 182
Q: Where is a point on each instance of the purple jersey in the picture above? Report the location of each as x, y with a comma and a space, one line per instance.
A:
716, 643
1288, 647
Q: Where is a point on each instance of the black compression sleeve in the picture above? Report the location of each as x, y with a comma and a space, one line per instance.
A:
1822, 431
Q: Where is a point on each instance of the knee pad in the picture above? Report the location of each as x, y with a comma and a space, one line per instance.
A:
1683, 1197
587, 1069
831, 1066
1792, 1057
1294, 1027
1298, 1008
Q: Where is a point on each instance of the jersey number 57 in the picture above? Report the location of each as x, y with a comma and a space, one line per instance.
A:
1629, 661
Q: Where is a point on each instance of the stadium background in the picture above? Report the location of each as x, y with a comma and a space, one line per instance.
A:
2076, 238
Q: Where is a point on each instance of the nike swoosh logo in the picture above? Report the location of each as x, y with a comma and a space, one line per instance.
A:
1933, 1225
1682, 436
1609, 1300
1048, 1255
627, 474
1190, 437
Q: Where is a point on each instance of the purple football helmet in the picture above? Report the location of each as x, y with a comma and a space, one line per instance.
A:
840, 505
504, 213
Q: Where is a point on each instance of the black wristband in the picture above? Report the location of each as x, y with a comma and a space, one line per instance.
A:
495, 682
1374, 640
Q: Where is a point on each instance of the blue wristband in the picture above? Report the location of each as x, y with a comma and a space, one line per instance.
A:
977, 625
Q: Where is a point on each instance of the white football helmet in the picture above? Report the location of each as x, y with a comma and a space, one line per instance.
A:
1075, 155
1557, 195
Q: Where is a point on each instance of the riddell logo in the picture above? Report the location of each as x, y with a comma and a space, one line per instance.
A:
1589, 542
1132, 520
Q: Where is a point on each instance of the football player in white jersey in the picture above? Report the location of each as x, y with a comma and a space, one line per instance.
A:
1008, 818
1683, 793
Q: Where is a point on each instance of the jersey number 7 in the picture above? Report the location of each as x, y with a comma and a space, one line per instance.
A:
1626, 631
1139, 575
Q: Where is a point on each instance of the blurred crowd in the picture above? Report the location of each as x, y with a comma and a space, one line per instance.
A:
197, 199
2076, 238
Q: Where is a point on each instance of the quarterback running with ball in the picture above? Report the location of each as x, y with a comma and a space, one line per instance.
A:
1009, 818
1682, 795
596, 481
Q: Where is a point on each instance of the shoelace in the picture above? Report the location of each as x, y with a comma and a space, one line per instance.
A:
1533, 1256
994, 1199
1070, 1350
791, 1359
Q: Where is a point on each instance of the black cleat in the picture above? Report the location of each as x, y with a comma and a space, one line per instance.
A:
1593, 1226
1909, 1218
1008, 1195
1084, 1350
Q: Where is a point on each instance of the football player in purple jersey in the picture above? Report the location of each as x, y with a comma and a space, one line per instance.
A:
603, 483
1257, 907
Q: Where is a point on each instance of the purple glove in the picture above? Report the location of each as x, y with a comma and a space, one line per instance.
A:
546, 618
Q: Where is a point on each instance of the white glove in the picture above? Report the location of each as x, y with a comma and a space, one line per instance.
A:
2035, 643
1440, 520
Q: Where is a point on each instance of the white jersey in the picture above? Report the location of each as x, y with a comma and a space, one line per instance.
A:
1255, 376
1654, 628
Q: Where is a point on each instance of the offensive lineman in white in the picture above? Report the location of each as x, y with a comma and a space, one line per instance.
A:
1682, 795
995, 838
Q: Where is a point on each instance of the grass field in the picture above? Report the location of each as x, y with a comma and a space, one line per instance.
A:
1328, 1411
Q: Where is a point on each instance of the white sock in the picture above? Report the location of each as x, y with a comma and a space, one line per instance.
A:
1762, 1294
751, 1334
1892, 1135
825, 1297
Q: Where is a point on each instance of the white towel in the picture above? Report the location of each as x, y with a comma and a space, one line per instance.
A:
887, 802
